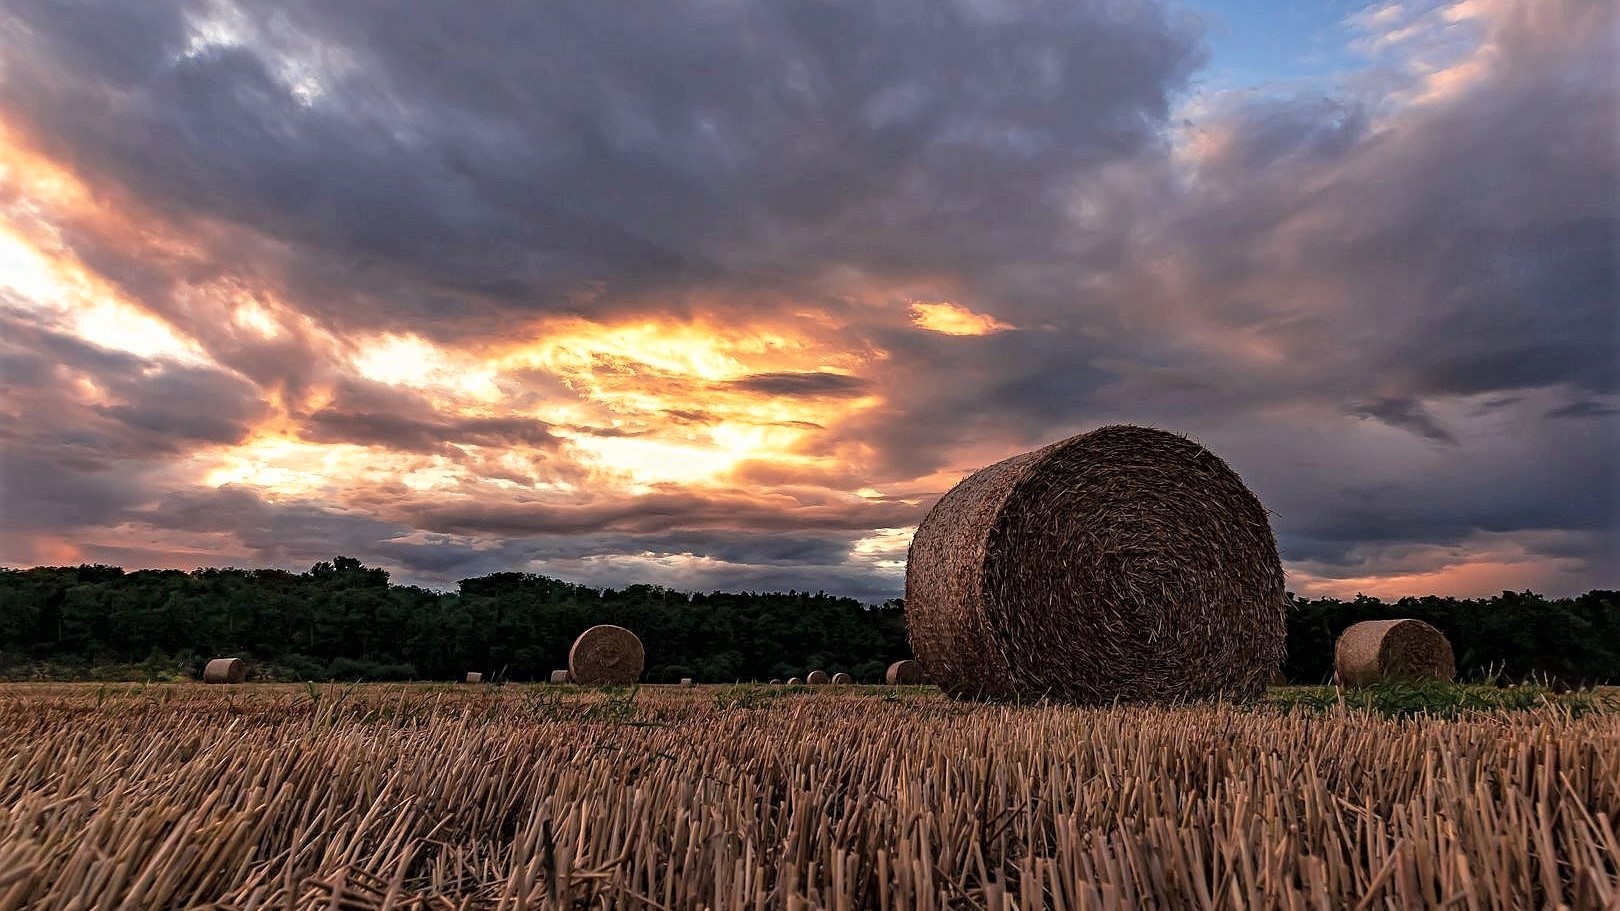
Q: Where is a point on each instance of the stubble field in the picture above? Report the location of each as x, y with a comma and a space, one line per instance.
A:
426, 797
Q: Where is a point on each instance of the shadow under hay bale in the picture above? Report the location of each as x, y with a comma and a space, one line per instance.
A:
816, 678
842, 679
606, 655
905, 673
225, 670
1125, 564
1375, 650
475, 677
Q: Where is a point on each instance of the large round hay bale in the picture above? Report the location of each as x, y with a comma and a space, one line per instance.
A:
1375, 650
794, 681
842, 679
225, 670
1126, 564
905, 673
559, 676
606, 655
475, 677
816, 678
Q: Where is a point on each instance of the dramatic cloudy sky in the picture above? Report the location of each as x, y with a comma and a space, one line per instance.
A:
724, 293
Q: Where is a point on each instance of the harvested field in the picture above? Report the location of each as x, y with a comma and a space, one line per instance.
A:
446, 796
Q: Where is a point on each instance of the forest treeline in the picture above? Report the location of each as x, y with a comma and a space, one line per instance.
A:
344, 620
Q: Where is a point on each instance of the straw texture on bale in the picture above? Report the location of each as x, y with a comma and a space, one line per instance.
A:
475, 677
816, 678
905, 673
842, 679
1126, 564
606, 655
225, 670
1375, 650
559, 676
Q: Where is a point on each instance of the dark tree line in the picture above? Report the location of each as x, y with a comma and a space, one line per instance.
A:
344, 620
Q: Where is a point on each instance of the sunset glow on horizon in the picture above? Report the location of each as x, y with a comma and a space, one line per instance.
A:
273, 291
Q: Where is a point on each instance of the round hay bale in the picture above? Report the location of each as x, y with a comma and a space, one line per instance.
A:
1376, 650
475, 677
776, 681
1125, 564
559, 676
794, 681
842, 679
816, 678
606, 655
225, 670
905, 673
686, 681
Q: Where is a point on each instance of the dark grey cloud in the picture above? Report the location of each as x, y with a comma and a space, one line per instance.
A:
1584, 408
832, 385
290, 535
68, 462
1406, 413
450, 157
395, 431
658, 512
142, 409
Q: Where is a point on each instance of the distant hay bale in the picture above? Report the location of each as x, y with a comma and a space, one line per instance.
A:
816, 678
1125, 564
474, 677
1376, 650
686, 681
559, 676
225, 670
842, 679
606, 655
905, 673
794, 681
776, 681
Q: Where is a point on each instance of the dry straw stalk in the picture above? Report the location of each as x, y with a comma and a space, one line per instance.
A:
606, 655
1124, 564
225, 670
1375, 650
421, 799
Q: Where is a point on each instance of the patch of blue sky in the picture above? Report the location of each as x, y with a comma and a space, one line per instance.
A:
1281, 46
